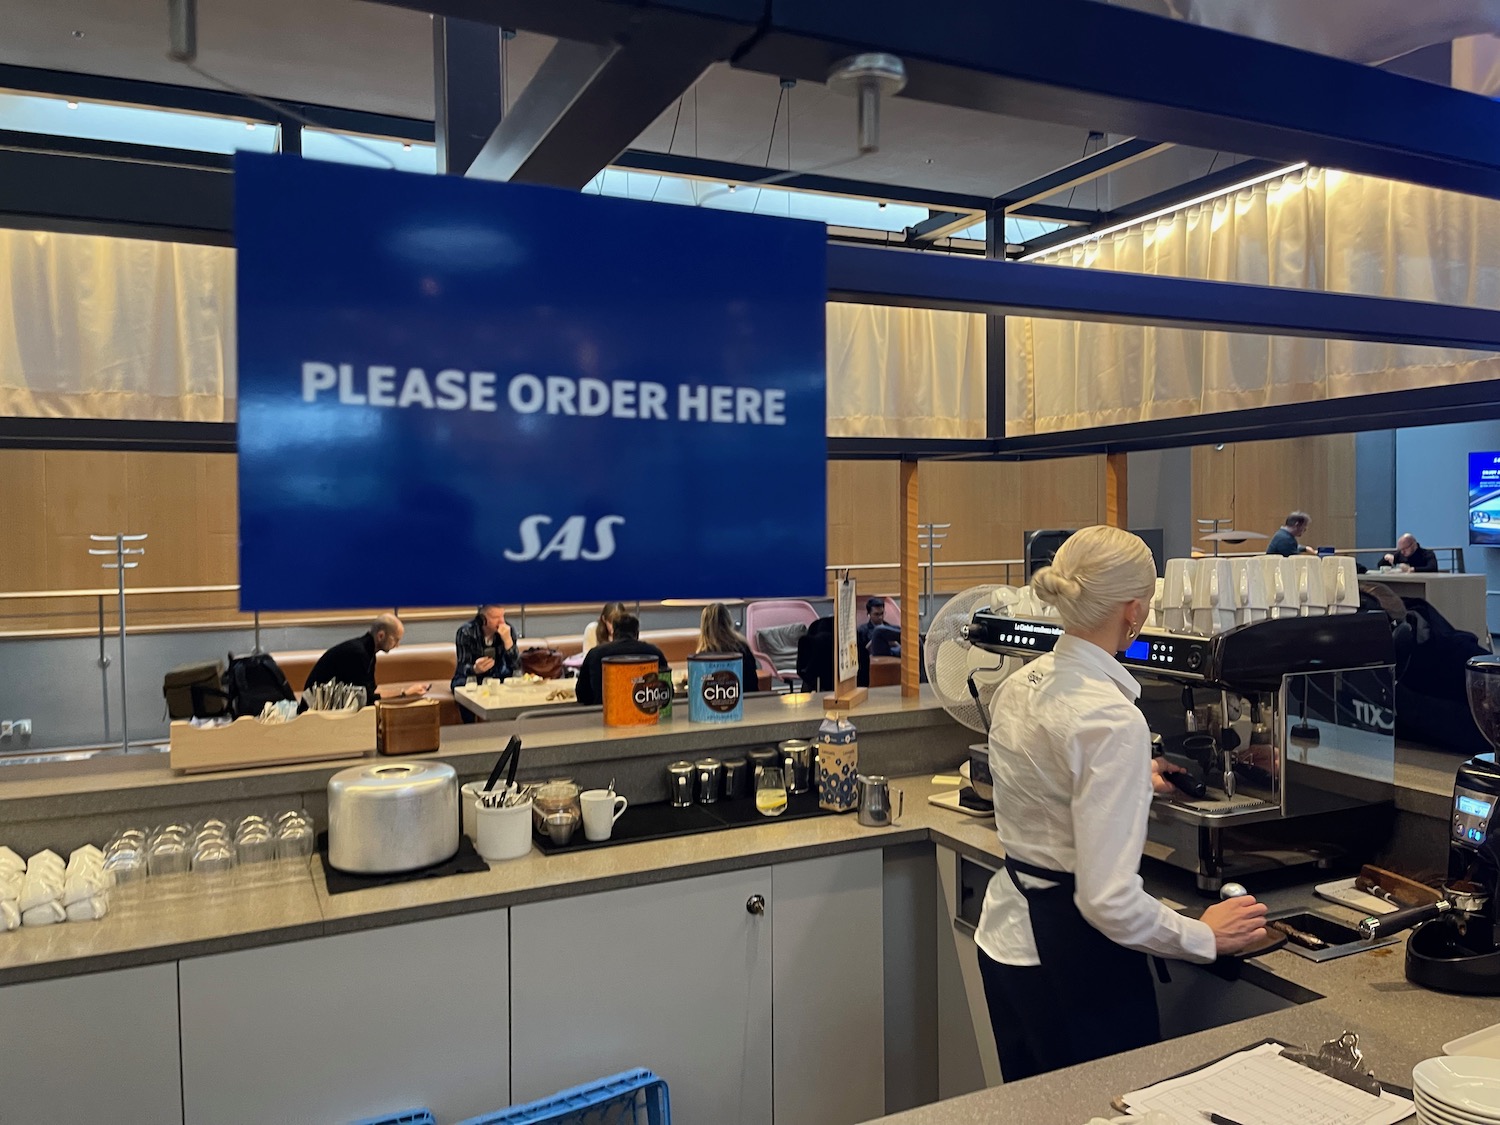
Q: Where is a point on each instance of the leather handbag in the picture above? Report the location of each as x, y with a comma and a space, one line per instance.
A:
544, 662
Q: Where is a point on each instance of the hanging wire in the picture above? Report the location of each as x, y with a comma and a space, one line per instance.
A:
670, 143
775, 120
1212, 162
284, 111
1086, 142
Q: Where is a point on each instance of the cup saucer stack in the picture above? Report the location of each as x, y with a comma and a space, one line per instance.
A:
1457, 1090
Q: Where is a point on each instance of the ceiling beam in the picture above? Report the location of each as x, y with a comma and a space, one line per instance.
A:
963, 284
724, 171
1050, 213
939, 225
467, 90
1110, 68
1090, 167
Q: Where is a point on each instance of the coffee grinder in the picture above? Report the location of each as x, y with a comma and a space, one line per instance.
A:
1453, 947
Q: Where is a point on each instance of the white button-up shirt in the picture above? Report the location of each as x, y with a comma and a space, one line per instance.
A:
1071, 759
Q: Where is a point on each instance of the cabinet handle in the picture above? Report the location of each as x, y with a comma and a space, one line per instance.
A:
755, 904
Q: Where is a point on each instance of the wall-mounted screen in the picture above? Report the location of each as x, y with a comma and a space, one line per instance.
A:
1484, 499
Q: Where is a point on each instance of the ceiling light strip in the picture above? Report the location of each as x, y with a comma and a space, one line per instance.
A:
1165, 211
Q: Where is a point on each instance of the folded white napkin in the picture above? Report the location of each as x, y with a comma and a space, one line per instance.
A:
10, 861
82, 861
10, 916
10, 886
88, 909
38, 888
44, 915
82, 885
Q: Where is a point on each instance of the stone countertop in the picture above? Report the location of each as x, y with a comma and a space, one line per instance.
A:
569, 737
1399, 1024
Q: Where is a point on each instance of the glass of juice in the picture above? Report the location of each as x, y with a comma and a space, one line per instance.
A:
770, 791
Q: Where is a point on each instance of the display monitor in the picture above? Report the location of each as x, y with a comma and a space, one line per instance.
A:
1484, 499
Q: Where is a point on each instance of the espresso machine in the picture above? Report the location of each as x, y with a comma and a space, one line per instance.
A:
1286, 728
1453, 947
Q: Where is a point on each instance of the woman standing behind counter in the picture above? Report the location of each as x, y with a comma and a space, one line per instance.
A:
1067, 926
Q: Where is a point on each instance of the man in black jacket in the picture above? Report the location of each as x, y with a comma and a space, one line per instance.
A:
1411, 555
627, 642
353, 661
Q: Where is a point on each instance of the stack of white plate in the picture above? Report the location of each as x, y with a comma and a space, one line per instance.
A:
1457, 1090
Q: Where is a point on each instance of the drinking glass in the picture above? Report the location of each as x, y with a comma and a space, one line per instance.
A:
770, 791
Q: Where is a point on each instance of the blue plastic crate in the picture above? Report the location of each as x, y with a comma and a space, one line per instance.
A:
635, 1097
405, 1117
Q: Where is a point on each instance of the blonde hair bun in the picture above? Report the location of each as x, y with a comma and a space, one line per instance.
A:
1094, 574
1054, 587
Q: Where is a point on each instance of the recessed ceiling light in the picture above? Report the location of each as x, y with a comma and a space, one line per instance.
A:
77, 34
72, 105
732, 188
405, 146
882, 205
250, 125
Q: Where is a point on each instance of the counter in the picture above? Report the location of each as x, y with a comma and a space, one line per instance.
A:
1399, 1025
1461, 598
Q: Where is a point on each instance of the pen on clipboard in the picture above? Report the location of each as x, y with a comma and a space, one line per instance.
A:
1219, 1118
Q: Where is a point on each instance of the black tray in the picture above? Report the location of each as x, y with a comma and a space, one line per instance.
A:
662, 821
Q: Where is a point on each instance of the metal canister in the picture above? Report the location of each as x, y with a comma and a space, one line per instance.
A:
680, 782
633, 697
759, 759
710, 777
736, 779
715, 693
797, 761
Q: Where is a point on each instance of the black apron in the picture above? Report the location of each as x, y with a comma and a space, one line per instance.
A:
1102, 997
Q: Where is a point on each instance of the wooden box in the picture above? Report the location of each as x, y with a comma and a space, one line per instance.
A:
313, 736
408, 726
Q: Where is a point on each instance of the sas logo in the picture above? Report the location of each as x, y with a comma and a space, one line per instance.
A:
566, 543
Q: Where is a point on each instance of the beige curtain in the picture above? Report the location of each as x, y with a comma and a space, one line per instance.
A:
1312, 230
94, 327
896, 372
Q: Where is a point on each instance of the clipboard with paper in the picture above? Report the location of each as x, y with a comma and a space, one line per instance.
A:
1272, 1083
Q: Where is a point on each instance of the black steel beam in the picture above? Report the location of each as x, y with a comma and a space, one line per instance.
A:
43, 189
939, 281
1050, 213
994, 337
724, 171
940, 224
197, 99
1106, 67
12, 140
99, 433
467, 90
589, 101
1090, 167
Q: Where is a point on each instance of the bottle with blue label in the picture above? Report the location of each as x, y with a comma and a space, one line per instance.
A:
838, 764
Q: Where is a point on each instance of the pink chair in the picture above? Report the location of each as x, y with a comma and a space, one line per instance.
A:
767, 614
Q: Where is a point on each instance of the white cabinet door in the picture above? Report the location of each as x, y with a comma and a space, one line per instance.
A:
828, 990
675, 977
95, 1048
339, 1028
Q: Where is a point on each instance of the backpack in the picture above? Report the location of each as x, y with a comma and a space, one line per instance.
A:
250, 682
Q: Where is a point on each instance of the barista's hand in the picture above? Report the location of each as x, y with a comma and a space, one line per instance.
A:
415, 689
1160, 767
1237, 923
484, 664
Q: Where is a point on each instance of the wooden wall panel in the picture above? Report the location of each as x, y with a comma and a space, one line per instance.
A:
1256, 484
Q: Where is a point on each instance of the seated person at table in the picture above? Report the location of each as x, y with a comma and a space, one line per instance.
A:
1411, 555
353, 661
716, 633
626, 642
875, 636
487, 649
597, 632
1284, 542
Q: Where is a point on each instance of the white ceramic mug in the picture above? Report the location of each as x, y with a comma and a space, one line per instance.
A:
601, 809
503, 833
468, 799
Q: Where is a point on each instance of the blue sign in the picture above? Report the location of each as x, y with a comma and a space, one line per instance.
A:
1484, 499
453, 392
